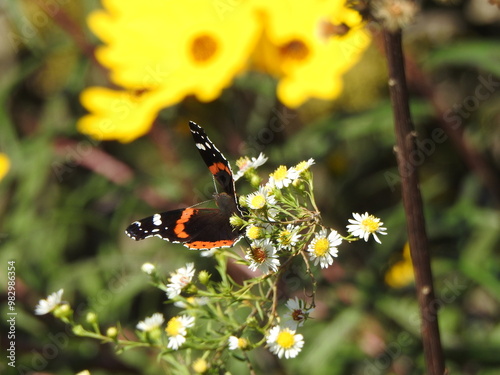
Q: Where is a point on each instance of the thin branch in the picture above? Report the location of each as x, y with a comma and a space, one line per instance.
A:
412, 201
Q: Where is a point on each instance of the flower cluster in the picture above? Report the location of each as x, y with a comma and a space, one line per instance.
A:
307, 46
282, 224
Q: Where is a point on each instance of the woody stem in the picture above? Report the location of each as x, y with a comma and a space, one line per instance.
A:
412, 202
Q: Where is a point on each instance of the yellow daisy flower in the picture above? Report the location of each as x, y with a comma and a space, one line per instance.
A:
309, 47
401, 273
166, 50
200, 366
4, 165
118, 115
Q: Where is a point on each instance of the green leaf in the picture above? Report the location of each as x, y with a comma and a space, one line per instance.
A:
483, 55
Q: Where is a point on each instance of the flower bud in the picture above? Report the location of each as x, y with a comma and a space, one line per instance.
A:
148, 268
204, 277
200, 366
112, 332
91, 317
63, 311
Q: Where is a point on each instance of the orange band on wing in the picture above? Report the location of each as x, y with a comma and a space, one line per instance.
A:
179, 225
217, 167
209, 244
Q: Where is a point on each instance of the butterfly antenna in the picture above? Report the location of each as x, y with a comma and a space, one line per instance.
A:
215, 185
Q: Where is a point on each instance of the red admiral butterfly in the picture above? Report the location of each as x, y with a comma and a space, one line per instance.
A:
198, 228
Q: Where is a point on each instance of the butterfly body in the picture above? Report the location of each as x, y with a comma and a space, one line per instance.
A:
198, 228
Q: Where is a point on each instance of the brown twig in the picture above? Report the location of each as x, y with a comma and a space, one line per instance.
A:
412, 201
85, 154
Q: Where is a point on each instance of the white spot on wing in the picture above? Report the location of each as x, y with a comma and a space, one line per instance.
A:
200, 146
157, 220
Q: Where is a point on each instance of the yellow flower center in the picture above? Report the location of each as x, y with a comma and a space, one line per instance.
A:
203, 48
257, 202
253, 232
242, 162
200, 366
242, 343
280, 173
370, 224
294, 50
301, 166
285, 236
174, 326
321, 247
285, 339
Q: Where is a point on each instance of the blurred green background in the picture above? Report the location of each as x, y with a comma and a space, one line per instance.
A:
67, 198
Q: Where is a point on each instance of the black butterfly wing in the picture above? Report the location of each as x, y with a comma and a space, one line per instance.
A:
213, 158
195, 228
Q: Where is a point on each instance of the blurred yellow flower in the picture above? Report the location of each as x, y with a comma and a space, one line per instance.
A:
401, 273
309, 46
166, 50
120, 115
158, 52
4, 165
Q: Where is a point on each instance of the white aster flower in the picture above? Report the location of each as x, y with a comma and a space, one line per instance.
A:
284, 341
179, 280
148, 268
176, 330
262, 255
364, 225
304, 165
245, 164
282, 177
151, 323
260, 198
298, 313
237, 343
288, 237
322, 249
49, 304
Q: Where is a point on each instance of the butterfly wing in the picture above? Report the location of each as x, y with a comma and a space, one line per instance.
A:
213, 158
195, 228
